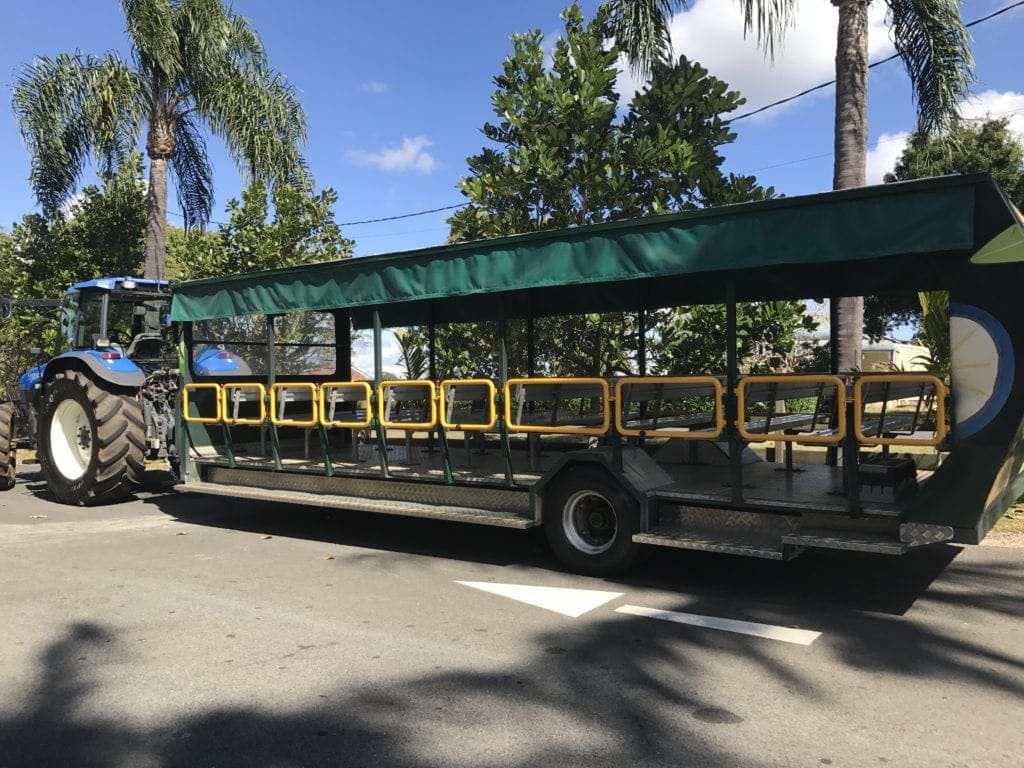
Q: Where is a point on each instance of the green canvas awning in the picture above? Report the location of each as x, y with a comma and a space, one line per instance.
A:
799, 247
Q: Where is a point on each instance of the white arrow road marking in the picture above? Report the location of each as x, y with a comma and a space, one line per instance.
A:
568, 602
770, 631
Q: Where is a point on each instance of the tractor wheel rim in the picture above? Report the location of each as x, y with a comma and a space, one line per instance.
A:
71, 440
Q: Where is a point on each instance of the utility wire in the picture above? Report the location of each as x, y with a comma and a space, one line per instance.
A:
408, 215
878, 63
757, 111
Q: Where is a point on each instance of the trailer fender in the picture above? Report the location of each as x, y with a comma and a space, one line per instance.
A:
637, 473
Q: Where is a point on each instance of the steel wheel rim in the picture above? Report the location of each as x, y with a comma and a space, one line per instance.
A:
589, 522
71, 439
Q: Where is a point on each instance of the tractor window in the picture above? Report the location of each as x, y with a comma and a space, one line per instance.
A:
68, 322
128, 317
90, 314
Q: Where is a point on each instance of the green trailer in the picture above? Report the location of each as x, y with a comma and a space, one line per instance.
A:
608, 464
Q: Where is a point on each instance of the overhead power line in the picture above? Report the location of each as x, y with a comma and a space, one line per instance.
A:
878, 63
757, 111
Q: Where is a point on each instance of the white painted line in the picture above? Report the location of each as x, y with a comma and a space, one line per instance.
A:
568, 602
770, 631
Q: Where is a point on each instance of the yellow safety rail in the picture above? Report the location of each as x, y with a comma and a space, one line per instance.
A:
234, 393
798, 386
905, 386
279, 398
558, 389
329, 399
673, 387
387, 394
198, 418
450, 395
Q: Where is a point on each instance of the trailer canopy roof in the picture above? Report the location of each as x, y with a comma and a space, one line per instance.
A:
911, 235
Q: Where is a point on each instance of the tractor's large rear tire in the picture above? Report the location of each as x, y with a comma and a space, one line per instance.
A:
92, 442
8, 447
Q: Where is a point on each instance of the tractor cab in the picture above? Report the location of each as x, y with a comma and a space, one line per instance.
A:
119, 318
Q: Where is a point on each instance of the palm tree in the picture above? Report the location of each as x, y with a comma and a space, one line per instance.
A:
930, 38
195, 65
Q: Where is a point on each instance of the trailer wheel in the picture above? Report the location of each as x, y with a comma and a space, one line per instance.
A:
92, 441
589, 520
8, 447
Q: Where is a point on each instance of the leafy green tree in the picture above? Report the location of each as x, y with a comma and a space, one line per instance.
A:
566, 157
100, 233
929, 36
985, 147
694, 339
301, 231
195, 64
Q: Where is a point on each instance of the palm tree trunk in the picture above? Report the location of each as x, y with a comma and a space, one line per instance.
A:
851, 146
160, 148
156, 224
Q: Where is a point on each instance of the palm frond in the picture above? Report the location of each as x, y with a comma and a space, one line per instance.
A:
769, 19
213, 39
73, 108
153, 38
260, 118
932, 41
193, 176
640, 29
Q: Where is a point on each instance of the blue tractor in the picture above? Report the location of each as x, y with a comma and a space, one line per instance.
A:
107, 401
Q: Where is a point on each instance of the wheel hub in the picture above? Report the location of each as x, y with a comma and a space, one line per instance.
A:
84, 438
589, 522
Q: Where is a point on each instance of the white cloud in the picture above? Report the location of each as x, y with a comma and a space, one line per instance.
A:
411, 156
362, 354
374, 86
993, 104
883, 156
711, 32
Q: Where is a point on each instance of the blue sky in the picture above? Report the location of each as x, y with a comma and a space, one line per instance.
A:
396, 93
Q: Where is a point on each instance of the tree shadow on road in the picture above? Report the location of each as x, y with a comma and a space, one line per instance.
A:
623, 691
816, 581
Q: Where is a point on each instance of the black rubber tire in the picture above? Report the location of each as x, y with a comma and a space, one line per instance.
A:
589, 521
8, 447
113, 435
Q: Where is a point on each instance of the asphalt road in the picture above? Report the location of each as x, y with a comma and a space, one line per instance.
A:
186, 631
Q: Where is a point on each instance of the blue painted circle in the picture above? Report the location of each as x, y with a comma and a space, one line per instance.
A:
1004, 370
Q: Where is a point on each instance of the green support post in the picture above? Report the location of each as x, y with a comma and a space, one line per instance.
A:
229, 445
378, 377
325, 445
506, 447
851, 456
275, 442
732, 381
446, 459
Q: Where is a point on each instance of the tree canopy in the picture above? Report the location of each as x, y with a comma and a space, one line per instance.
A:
98, 234
566, 155
195, 66
969, 147
302, 230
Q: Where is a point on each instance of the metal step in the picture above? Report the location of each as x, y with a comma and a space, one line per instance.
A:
504, 519
752, 546
856, 541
